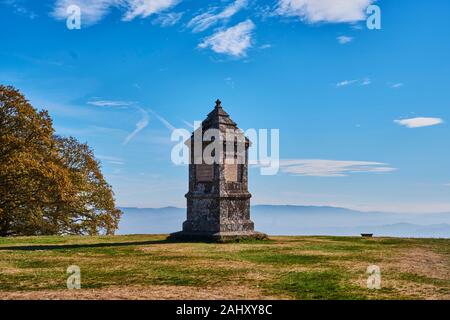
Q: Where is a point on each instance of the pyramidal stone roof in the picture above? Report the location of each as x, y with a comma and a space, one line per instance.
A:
218, 119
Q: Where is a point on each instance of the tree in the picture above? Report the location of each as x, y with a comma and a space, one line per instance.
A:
48, 184
93, 209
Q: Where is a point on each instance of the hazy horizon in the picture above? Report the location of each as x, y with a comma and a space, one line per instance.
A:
302, 205
298, 220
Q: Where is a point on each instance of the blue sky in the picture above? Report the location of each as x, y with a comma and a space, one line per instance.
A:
363, 114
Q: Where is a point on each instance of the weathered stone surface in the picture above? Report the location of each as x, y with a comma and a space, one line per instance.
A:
218, 201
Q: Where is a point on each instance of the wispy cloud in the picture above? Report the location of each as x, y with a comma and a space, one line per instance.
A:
419, 122
331, 168
229, 81
366, 81
92, 11
333, 11
110, 103
95, 10
190, 125
265, 46
345, 83
233, 41
344, 39
361, 82
168, 19
111, 160
205, 20
166, 123
19, 8
140, 125
396, 85
145, 8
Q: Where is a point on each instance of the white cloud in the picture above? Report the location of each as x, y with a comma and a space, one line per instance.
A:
366, 82
419, 122
362, 82
396, 85
331, 168
145, 8
205, 20
357, 26
345, 83
336, 11
140, 125
447, 184
92, 11
344, 39
109, 103
233, 41
168, 19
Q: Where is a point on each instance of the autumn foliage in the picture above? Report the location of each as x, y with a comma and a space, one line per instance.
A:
48, 184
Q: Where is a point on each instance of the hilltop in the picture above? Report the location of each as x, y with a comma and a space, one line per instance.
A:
149, 267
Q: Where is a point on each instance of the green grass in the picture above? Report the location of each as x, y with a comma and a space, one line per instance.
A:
424, 279
283, 267
313, 285
280, 258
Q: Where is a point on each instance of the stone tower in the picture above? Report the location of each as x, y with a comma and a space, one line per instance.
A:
218, 201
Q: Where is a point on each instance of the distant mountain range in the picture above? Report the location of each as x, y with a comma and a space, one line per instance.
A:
301, 220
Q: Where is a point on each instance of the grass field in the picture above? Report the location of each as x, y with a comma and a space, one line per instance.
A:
149, 267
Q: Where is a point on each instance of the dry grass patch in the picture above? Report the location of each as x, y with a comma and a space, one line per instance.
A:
160, 292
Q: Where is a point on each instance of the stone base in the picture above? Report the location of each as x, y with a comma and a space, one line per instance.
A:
217, 236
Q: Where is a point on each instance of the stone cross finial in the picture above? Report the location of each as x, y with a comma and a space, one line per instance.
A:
218, 103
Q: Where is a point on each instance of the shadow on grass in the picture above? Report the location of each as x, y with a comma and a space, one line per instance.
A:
121, 244
86, 245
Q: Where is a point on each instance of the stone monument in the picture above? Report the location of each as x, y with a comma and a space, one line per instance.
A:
218, 201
